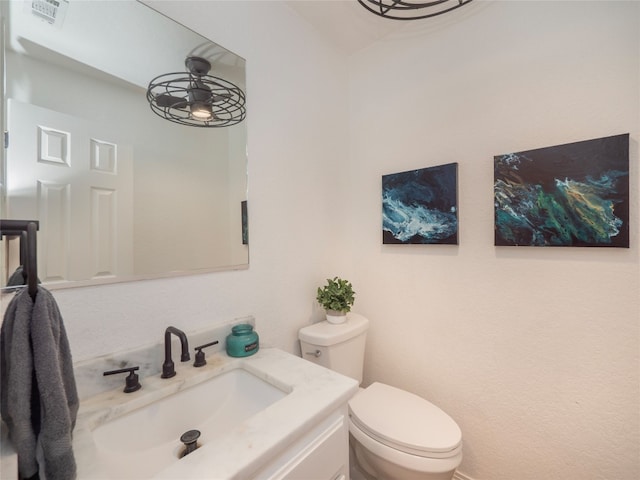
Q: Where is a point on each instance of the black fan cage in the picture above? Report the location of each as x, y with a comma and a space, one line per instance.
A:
411, 10
169, 98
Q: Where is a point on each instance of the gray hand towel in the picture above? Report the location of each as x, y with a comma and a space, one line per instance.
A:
17, 278
16, 381
46, 351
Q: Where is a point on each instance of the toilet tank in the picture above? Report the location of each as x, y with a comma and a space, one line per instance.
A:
339, 347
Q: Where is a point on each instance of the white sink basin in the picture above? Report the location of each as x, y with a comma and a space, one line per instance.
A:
147, 439
249, 411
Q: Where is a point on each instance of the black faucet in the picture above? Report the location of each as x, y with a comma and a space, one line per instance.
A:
168, 370
132, 382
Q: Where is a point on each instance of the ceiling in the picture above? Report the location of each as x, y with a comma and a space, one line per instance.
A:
349, 26
127, 40
345, 22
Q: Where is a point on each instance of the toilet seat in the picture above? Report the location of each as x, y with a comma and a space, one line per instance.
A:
405, 422
396, 457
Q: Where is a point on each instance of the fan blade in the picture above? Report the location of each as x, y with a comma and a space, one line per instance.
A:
164, 100
221, 97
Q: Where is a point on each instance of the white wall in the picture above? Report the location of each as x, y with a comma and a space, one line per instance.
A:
533, 351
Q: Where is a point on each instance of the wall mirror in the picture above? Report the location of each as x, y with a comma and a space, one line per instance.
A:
119, 192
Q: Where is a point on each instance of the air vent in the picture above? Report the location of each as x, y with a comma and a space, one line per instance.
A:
51, 11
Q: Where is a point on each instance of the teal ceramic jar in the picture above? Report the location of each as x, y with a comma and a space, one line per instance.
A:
242, 341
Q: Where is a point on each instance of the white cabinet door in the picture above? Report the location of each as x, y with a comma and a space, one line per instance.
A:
321, 454
323, 458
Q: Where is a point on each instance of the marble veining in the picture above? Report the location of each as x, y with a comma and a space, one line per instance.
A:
149, 358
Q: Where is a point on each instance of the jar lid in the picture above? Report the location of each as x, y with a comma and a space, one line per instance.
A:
242, 328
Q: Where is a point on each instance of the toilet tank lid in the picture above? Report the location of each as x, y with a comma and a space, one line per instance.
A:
325, 334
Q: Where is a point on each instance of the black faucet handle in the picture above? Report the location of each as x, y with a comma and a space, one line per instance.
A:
200, 361
132, 383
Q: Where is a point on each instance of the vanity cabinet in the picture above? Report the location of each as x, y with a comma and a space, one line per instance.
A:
320, 454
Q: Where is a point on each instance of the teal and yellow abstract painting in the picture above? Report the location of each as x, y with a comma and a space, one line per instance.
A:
421, 206
574, 195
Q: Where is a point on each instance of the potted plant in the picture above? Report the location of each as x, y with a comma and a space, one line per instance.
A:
337, 298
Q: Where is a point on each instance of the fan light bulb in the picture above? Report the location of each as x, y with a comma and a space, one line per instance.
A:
201, 112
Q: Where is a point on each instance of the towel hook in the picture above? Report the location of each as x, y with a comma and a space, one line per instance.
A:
32, 262
27, 229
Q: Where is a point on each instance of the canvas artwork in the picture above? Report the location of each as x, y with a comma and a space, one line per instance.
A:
567, 195
421, 206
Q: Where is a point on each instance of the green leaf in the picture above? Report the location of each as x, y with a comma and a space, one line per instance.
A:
337, 294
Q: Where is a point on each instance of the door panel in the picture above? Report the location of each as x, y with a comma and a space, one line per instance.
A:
45, 147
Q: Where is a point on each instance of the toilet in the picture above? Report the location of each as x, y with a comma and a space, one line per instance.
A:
393, 434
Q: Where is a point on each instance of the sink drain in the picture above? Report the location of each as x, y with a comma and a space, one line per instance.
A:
190, 440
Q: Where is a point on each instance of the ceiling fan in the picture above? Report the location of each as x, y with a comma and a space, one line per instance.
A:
196, 98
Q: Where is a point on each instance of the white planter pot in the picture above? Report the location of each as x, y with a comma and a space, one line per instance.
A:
336, 317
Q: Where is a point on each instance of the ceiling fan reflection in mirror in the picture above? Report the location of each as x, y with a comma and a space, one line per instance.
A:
195, 98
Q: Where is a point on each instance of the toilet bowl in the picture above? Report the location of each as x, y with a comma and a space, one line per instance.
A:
394, 434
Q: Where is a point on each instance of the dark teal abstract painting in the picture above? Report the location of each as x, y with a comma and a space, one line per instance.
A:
421, 206
574, 195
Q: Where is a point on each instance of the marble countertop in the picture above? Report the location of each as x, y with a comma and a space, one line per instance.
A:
313, 393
